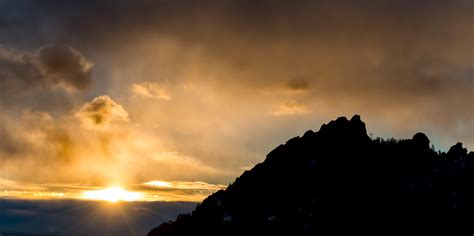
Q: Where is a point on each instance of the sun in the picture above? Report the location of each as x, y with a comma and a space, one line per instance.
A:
113, 194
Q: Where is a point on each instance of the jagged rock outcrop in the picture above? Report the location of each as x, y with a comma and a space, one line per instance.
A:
339, 181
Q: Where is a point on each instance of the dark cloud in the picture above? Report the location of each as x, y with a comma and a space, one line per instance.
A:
64, 65
43, 78
298, 84
50, 66
18, 72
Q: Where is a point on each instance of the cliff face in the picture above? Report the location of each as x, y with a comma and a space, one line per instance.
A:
338, 181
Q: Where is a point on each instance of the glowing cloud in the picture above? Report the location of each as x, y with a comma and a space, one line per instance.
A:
150, 191
150, 90
185, 185
290, 109
100, 113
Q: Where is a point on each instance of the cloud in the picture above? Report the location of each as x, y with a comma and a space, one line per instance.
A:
64, 66
18, 72
290, 109
50, 66
101, 113
29, 115
185, 185
298, 84
155, 190
245, 76
150, 90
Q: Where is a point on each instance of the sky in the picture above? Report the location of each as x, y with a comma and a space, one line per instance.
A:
189, 94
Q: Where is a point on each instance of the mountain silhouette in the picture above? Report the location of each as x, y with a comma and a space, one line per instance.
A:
339, 181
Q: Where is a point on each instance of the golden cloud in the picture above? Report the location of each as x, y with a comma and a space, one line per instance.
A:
150, 90
156, 190
101, 113
290, 109
36, 115
184, 185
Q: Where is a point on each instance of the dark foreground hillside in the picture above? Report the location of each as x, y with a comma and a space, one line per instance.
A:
338, 181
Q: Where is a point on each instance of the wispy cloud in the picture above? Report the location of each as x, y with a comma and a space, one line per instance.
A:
196, 185
151, 90
290, 109
156, 190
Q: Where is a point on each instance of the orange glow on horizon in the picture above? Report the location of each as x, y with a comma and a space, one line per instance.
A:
113, 194
154, 190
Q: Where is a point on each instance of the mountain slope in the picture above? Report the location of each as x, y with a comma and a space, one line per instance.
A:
337, 181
